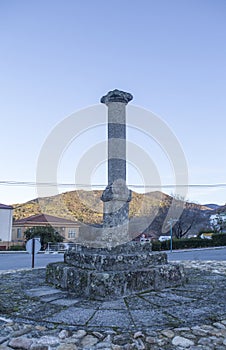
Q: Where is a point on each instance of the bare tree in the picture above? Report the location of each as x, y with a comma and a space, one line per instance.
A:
191, 216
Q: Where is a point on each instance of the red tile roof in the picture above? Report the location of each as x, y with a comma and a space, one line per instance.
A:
45, 219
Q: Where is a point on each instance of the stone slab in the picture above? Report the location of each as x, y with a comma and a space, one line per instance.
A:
72, 315
113, 305
165, 300
65, 302
111, 319
152, 317
136, 302
36, 292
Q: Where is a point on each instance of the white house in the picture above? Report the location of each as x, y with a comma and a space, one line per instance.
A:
6, 217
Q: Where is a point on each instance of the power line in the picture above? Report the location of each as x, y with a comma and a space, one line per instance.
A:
52, 184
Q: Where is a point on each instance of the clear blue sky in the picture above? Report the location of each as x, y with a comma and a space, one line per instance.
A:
61, 56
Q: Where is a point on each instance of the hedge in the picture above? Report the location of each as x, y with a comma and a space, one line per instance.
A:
216, 241
219, 239
17, 247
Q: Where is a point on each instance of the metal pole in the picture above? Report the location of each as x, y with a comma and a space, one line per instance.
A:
171, 237
33, 253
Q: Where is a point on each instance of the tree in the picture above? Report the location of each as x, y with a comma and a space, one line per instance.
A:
192, 217
218, 222
45, 233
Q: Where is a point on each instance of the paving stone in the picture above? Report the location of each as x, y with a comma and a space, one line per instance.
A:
103, 345
200, 347
111, 318
89, 341
21, 343
151, 340
139, 344
63, 334
65, 301
48, 340
204, 341
219, 325
40, 328
39, 347
100, 336
67, 347
200, 332
183, 342
188, 335
165, 299
190, 314
39, 292
72, 315
138, 335
79, 334
150, 318
4, 339
117, 347
113, 305
122, 339
168, 333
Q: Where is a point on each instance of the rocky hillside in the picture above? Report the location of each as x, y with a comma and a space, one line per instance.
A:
86, 206
147, 210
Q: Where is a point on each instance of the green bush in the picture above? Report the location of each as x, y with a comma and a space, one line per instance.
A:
219, 239
165, 245
185, 243
17, 247
156, 245
192, 243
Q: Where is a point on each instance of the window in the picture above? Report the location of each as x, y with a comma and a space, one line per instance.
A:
72, 233
19, 233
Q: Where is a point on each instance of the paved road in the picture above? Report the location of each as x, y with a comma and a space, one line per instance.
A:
23, 260
198, 254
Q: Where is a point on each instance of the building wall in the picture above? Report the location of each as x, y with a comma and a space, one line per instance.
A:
70, 234
6, 224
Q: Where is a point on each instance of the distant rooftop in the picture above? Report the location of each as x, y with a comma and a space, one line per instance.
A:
43, 219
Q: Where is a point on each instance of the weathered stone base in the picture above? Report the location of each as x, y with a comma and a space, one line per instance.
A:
112, 284
99, 273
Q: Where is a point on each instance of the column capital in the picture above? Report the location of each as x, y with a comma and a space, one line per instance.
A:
116, 96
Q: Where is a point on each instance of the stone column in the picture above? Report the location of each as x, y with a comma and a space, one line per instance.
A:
116, 196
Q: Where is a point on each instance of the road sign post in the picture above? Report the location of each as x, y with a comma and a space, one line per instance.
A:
33, 246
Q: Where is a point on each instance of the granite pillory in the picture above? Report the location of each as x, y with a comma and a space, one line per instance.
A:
114, 267
116, 196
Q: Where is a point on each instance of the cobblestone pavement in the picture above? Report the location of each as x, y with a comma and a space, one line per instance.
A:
36, 316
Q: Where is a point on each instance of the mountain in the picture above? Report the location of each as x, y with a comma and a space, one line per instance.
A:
146, 210
87, 206
212, 206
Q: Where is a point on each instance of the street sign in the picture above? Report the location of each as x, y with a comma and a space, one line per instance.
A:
33, 246
37, 245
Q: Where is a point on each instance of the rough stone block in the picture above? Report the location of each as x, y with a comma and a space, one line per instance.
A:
112, 284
